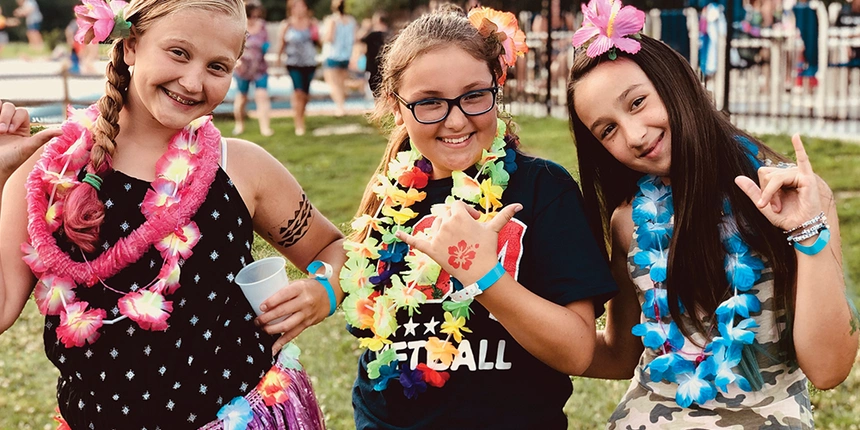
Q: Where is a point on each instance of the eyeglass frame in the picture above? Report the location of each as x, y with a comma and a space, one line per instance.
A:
451, 103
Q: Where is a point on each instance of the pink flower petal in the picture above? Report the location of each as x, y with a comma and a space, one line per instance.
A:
630, 46
78, 325
629, 20
600, 45
51, 292
148, 309
584, 34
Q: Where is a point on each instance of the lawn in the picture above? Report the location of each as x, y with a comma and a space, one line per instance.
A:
333, 170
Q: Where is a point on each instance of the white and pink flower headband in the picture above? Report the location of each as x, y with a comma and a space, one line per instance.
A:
606, 26
503, 28
101, 20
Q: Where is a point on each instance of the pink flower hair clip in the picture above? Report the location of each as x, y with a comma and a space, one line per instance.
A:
606, 26
503, 28
100, 20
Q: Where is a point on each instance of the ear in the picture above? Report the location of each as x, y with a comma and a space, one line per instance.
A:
129, 47
398, 116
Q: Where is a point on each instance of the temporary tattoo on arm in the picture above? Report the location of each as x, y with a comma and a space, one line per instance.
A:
462, 255
296, 227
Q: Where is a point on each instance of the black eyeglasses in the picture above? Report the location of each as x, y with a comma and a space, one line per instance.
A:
433, 110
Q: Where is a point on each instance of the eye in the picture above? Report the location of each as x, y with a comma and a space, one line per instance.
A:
638, 102
220, 67
178, 52
606, 131
429, 103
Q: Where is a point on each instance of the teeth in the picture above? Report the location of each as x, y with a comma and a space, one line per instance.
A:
460, 140
179, 99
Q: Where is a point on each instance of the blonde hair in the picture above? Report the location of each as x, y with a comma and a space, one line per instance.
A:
84, 211
444, 27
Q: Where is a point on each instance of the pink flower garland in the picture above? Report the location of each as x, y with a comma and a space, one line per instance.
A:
189, 166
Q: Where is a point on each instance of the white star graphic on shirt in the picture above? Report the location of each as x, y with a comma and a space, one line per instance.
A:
215, 214
81, 404
102, 375
146, 395
109, 203
130, 330
129, 375
125, 410
230, 236
114, 353
62, 358
127, 186
207, 334
197, 278
177, 385
243, 387
230, 277
430, 327
226, 374
124, 226
203, 389
226, 197
170, 405
161, 370
249, 359
194, 320
214, 255
178, 343
211, 296
147, 350
115, 396
410, 327
239, 220
190, 359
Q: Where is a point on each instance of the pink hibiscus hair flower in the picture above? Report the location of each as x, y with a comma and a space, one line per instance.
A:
606, 25
504, 28
97, 20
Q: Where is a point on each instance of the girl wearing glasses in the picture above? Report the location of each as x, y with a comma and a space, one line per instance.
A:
473, 281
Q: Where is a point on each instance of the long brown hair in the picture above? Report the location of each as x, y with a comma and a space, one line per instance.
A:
447, 26
708, 152
84, 212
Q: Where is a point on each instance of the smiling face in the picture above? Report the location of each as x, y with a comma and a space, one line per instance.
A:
456, 142
621, 108
180, 75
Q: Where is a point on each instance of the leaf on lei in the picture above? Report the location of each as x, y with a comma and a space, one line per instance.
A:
54, 216
606, 25
161, 194
741, 304
423, 269
655, 260
180, 241
388, 234
743, 270
374, 344
656, 334
148, 309
440, 350
664, 367
413, 178
393, 252
237, 414
458, 309
399, 216
739, 333
413, 383
289, 356
363, 222
387, 372
31, 257
490, 195
491, 156
454, 325
79, 326
175, 165
465, 187
96, 19
405, 297
355, 274
694, 387
384, 320
496, 171
725, 360
358, 307
368, 249
382, 359
51, 292
273, 387
168, 276
433, 377
401, 163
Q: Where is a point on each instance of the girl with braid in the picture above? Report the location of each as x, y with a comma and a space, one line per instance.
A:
130, 227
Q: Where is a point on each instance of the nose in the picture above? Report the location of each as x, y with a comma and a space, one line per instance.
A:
634, 133
192, 81
456, 119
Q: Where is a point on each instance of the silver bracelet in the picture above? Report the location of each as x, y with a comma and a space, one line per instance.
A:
816, 219
809, 232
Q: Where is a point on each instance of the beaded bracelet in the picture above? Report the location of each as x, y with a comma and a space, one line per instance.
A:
820, 218
324, 280
807, 233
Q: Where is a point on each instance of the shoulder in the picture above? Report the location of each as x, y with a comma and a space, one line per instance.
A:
621, 226
542, 168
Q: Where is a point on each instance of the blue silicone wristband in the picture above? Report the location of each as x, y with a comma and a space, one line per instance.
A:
819, 244
324, 280
491, 277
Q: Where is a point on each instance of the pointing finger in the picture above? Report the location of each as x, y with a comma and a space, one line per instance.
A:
505, 215
413, 242
802, 158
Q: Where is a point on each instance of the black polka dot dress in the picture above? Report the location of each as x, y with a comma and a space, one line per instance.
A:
132, 378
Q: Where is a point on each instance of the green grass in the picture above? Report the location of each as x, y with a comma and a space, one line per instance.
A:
333, 170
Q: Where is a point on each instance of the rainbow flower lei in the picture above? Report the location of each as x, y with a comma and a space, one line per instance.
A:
183, 176
383, 277
698, 375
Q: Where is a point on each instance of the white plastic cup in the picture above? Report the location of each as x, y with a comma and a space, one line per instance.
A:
261, 279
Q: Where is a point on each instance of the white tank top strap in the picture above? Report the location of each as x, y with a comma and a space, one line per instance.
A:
224, 154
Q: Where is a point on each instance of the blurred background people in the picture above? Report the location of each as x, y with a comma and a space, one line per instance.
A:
338, 39
32, 15
374, 40
299, 37
252, 68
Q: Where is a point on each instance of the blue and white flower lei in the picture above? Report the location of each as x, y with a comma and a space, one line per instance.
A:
699, 377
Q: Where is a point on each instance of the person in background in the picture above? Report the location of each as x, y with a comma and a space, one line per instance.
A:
298, 37
29, 11
339, 30
374, 41
252, 69
849, 16
732, 287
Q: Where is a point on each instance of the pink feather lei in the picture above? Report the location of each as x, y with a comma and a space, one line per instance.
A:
183, 177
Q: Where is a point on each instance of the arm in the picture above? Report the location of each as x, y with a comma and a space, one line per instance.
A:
282, 40
560, 336
825, 341
328, 29
16, 146
284, 217
617, 351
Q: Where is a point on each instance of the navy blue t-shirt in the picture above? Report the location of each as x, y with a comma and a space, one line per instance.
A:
494, 382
